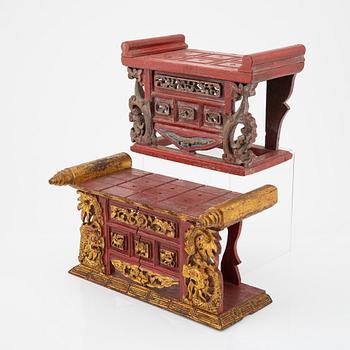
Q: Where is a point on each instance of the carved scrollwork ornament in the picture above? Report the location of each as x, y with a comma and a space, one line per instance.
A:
143, 276
149, 222
135, 73
142, 131
200, 273
237, 151
91, 238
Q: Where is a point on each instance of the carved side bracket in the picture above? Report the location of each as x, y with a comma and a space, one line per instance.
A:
140, 115
91, 239
202, 277
278, 92
238, 151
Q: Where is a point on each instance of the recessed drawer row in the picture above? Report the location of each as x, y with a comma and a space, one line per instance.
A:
189, 113
136, 245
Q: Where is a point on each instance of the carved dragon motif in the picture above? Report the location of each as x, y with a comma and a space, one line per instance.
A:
201, 274
91, 239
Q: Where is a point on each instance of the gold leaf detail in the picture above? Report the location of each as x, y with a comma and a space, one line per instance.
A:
118, 241
167, 257
142, 249
201, 271
150, 222
91, 239
142, 276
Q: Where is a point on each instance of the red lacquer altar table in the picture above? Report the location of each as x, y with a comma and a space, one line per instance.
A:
188, 98
156, 238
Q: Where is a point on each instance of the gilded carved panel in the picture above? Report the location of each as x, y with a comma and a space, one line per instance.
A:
201, 275
118, 240
167, 257
143, 249
143, 276
145, 221
91, 238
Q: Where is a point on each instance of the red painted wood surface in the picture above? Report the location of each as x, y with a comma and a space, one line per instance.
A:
230, 259
277, 93
170, 54
265, 160
163, 197
159, 191
194, 95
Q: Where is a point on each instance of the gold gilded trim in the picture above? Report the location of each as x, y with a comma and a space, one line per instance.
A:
90, 170
237, 209
142, 276
219, 322
150, 222
201, 274
91, 238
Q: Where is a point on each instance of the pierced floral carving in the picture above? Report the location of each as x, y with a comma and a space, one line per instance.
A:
201, 274
237, 151
91, 239
150, 222
188, 85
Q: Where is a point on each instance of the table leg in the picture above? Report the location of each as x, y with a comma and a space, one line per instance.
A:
230, 260
277, 93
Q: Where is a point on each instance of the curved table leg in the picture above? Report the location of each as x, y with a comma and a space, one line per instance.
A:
230, 260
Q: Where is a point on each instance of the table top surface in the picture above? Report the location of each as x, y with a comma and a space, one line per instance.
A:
158, 191
171, 54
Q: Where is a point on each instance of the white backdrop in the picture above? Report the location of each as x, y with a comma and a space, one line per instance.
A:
64, 100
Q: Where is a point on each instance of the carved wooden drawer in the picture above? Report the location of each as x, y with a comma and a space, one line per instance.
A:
164, 109
213, 117
119, 240
143, 248
168, 257
188, 113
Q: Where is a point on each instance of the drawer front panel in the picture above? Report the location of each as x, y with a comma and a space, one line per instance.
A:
145, 221
119, 240
213, 117
168, 258
143, 248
